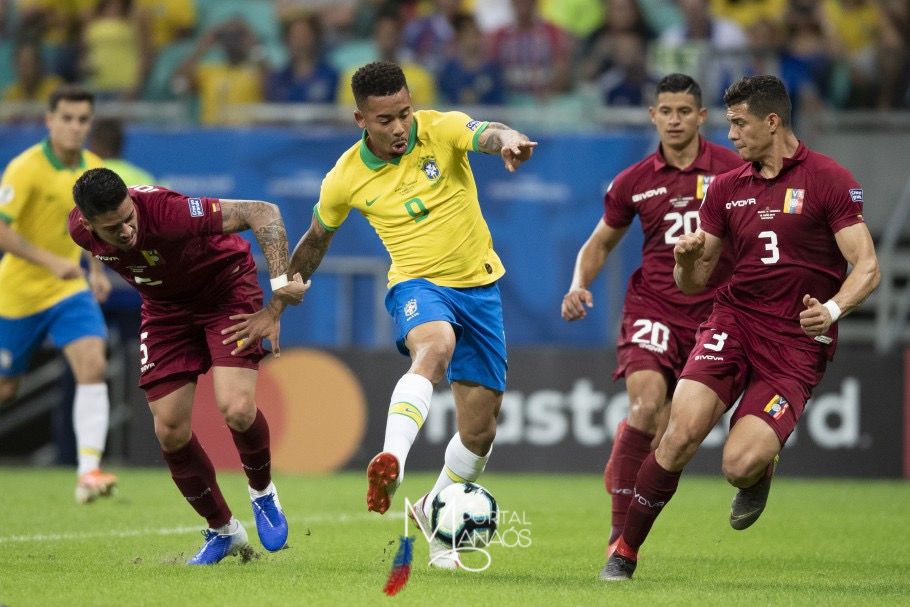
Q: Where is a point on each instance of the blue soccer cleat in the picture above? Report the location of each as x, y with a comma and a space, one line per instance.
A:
219, 545
271, 523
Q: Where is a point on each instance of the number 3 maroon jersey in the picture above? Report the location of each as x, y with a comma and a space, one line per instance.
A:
181, 255
666, 200
781, 232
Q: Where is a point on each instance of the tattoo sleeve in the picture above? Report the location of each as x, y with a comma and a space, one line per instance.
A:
310, 250
273, 240
264, 219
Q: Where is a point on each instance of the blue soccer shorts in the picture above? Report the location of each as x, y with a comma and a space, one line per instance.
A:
75, 317
475, 314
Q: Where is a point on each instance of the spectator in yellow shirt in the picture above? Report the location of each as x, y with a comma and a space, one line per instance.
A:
236, 79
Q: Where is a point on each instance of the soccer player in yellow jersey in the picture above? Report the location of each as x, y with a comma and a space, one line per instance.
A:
42, 289
410, 177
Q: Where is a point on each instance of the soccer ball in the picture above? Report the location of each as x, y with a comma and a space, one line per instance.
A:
464, 515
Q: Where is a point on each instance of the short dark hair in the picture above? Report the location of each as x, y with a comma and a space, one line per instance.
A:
98, 191
763, 95
70, 92
378, 79
679, 83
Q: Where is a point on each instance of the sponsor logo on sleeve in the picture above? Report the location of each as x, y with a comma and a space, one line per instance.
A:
195, 207
473, 124
856, 195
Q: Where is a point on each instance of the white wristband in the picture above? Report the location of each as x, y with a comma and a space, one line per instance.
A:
279, 282
833, 309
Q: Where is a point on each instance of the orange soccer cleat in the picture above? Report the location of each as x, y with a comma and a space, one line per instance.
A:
94, 484
382, 476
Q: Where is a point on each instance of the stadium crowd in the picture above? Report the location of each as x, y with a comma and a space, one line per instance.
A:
850, 54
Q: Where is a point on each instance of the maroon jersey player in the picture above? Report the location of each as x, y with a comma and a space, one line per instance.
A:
793, 219
658, 320
198, 282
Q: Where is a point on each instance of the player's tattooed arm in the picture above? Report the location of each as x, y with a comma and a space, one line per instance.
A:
514, 147
310, 249
264, 219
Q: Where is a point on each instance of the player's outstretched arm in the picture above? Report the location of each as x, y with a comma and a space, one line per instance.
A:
310, 249
591, 258
696, 257
13, 243
514, 147
855, 244
264, 219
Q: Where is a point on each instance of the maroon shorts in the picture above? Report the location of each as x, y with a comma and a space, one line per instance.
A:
774, 379
179, 342
649, 342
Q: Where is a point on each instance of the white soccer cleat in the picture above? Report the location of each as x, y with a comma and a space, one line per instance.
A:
442, 556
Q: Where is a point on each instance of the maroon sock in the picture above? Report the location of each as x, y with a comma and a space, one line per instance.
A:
631, 450
194, 475
255, 455
653, 489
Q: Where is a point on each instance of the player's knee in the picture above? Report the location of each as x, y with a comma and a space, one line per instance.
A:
432, 360
678, 446
8, 388
91, 369
643, 414
172, 435
742, 469
478, 439
239, 413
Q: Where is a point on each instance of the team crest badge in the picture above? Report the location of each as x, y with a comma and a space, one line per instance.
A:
793, 201
430, 168
701, 185
410, 309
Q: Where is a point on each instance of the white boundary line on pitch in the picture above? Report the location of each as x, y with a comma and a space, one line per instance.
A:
83, 535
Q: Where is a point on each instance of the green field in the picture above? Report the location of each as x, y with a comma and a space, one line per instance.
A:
819, 542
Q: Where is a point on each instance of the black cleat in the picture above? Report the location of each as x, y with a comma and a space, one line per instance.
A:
749, 503
617, 569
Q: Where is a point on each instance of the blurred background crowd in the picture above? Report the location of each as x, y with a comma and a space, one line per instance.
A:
215, 56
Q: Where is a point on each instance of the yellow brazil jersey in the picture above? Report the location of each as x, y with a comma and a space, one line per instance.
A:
36, 196
423, 204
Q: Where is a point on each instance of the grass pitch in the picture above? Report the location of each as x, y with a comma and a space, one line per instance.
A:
818, 542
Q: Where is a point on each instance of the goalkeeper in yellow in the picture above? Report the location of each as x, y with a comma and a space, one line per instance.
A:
409, 176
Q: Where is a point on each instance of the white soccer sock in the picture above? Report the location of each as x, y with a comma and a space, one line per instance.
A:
232, 527
462, 465
408, 409
91, 410
257, 494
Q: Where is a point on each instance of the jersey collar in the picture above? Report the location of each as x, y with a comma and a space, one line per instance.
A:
788, 162
55, 160
374, 162
702, 161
